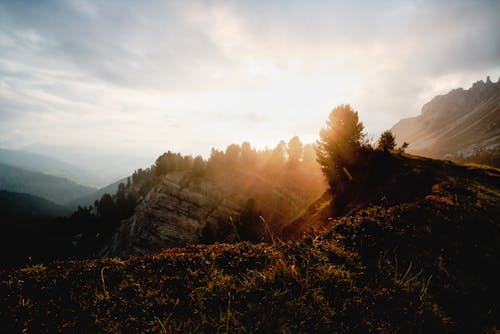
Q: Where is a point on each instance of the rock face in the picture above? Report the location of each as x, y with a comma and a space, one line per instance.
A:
173, 214
458, 124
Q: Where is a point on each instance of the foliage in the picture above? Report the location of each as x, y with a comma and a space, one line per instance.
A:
481, 156
289, 287
403, 147
295, 150
386, 142
339, 144
276, 184
416, 255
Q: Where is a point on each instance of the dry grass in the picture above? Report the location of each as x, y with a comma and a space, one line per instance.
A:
425, 265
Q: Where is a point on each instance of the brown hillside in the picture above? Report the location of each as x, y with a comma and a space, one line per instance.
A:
423, 262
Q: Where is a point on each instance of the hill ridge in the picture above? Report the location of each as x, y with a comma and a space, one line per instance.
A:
420, 264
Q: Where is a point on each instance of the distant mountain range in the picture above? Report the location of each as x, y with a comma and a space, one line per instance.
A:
51, 178
54, 188
459, 125
89, 199
48, 165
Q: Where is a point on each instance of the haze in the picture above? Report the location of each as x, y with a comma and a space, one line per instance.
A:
111, 85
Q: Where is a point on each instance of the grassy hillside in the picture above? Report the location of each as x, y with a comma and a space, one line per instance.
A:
423, 264
53, 188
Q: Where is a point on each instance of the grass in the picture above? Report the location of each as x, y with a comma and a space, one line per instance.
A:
288, 287
425, 265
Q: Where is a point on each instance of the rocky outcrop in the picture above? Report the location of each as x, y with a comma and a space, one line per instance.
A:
455, 125
173, 214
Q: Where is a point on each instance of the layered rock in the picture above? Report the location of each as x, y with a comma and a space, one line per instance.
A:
173, 214
454, 125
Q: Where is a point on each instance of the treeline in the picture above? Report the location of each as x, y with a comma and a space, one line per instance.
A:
481, 156
237, 157
272, 185
88, 226
275, 185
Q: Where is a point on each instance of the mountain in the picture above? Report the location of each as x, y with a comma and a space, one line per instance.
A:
106, 165
459, 125
16, 208
54, 188
89, 199
28, 231
44, 164
410, 247
181, 210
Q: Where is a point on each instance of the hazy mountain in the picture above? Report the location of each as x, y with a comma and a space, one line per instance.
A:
108, 165
89, 199
57, 189
48, 165
457, 125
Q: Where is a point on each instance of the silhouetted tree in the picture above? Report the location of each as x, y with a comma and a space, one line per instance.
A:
386, 142
233, 153
403, 147
248, 155
278, 154
309, 155
295, 150
198, 168
165, 163
339, 143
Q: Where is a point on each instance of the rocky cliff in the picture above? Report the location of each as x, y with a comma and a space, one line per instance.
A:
415, 264
455, 125
182, 210
173, 214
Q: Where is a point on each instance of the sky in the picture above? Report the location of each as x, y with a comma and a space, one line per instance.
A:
112, 84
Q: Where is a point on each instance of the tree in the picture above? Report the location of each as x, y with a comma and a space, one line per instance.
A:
233, 153
248, 155
309, 155
198, 168
386, 142
339, 143
295, 150
165, 163
403, 147
278, 154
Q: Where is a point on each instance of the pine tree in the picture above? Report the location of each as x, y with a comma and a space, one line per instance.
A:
339, 143
386, 142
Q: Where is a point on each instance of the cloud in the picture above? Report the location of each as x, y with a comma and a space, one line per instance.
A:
197, 74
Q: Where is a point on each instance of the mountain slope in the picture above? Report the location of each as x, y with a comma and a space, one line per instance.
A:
420, 219
43, 164
56, 189
455, 125
20, 208
27, 228
181, 210
89, 199
423, 262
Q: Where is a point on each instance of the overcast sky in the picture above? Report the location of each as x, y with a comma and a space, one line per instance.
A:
140, 77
